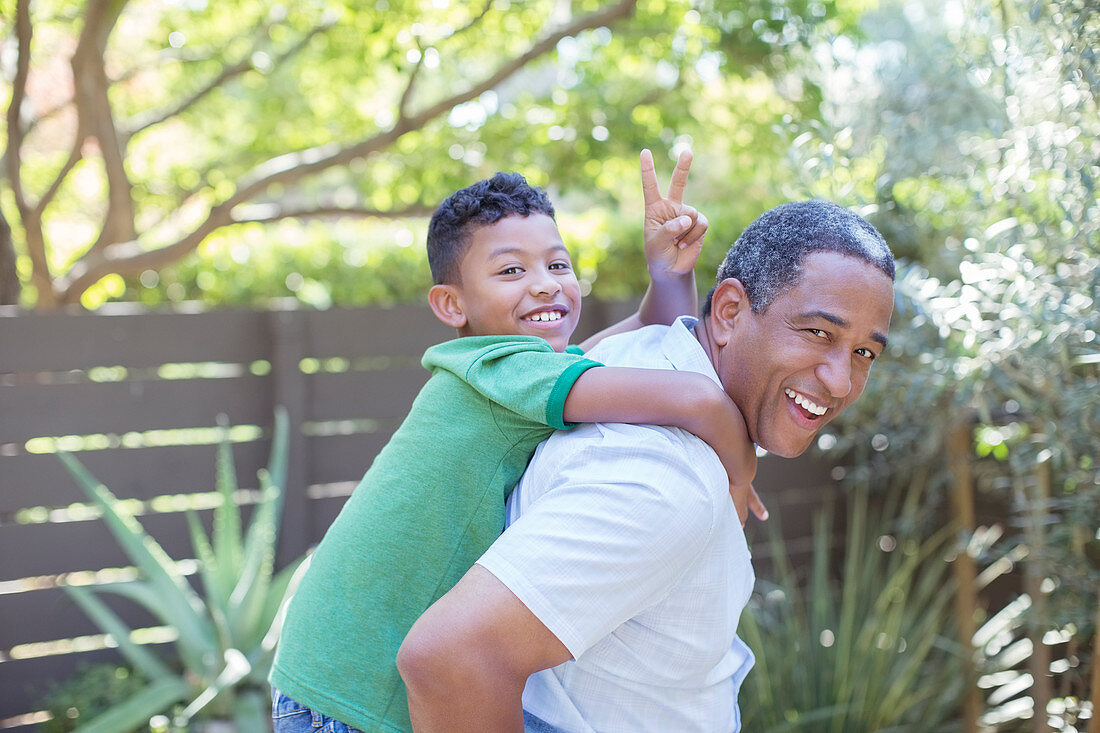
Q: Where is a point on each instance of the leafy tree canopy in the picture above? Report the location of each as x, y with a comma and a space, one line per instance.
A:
305, 137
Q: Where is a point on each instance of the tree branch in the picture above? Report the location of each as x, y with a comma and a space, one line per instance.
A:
266, 213
155, 118
474, 21
608, 15
295, 166
14, 154
129, 258
406, 96
9, 277
74, 158
13, 158
227, 73
96, 119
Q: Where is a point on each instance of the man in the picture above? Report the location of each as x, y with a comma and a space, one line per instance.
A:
619, 584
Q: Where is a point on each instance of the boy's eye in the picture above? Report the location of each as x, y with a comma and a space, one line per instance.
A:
559, 266
513, 270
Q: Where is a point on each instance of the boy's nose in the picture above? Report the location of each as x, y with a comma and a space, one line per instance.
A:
545, 284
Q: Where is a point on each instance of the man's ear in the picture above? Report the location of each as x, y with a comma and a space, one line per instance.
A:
447, 306
728, 306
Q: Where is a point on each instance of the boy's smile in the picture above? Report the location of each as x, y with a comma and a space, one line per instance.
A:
517, 278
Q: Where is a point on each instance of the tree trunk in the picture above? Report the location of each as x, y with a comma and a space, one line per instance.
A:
1094, 694
10, 287
959, 451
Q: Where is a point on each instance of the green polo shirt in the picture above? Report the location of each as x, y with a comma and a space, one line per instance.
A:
429, 506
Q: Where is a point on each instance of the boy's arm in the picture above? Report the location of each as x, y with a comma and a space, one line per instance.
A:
682, 399
673, 233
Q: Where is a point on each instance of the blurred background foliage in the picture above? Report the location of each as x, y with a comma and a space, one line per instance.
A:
966, 130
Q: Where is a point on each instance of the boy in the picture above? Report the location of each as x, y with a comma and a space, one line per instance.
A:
433, 500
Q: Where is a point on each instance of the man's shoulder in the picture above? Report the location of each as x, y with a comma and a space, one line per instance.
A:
637, 348
612, 453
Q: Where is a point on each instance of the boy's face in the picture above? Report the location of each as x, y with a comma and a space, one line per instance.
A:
517, 278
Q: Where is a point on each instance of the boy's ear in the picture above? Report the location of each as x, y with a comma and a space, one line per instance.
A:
447, 305
728, 306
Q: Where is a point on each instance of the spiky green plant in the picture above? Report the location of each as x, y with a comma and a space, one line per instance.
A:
869, 651
225, 636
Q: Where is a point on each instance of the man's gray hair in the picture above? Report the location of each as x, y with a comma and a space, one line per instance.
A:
767, 257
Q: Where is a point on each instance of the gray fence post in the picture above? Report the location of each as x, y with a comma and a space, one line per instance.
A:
289, 390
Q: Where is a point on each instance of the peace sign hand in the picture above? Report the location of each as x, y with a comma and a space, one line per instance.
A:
673, 231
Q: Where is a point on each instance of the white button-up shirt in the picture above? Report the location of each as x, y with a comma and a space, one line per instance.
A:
624, 542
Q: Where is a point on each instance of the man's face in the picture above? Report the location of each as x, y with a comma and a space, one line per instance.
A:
517, 278
796, 366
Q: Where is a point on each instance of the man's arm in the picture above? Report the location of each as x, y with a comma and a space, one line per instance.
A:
673, 233
481, 641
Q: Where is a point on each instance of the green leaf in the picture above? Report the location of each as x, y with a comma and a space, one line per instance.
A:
280, 448
282, 588
108, 621
227, 516
241, 627
204, 553
217, 601
135, 712
193, 650
181, 606
258, 562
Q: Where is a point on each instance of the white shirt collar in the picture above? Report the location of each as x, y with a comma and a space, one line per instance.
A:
682, 348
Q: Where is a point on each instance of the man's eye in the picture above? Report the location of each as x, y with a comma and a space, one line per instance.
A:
818, 332
867, 353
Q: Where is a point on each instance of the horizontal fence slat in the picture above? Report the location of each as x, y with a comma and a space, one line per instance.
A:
131, 473
50, 614
32, 411
356, 333
374, 394
63, 341
28, 550
26, 681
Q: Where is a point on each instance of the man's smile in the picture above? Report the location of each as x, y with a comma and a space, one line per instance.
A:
815, 410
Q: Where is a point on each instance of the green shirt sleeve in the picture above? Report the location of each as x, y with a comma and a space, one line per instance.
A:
521, 373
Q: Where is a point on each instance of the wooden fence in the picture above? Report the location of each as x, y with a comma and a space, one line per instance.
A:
136, 395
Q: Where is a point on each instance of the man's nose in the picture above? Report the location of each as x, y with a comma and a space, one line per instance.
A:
835, 373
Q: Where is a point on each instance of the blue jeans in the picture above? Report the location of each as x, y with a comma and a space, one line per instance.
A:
531, 724
288, 716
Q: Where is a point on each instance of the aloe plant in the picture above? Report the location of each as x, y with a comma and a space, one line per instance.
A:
226, 636
872, 651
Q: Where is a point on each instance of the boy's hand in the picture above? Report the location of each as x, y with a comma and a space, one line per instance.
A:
745, 499
673, 231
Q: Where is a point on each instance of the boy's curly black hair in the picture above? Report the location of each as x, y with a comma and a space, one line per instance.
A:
485, 202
